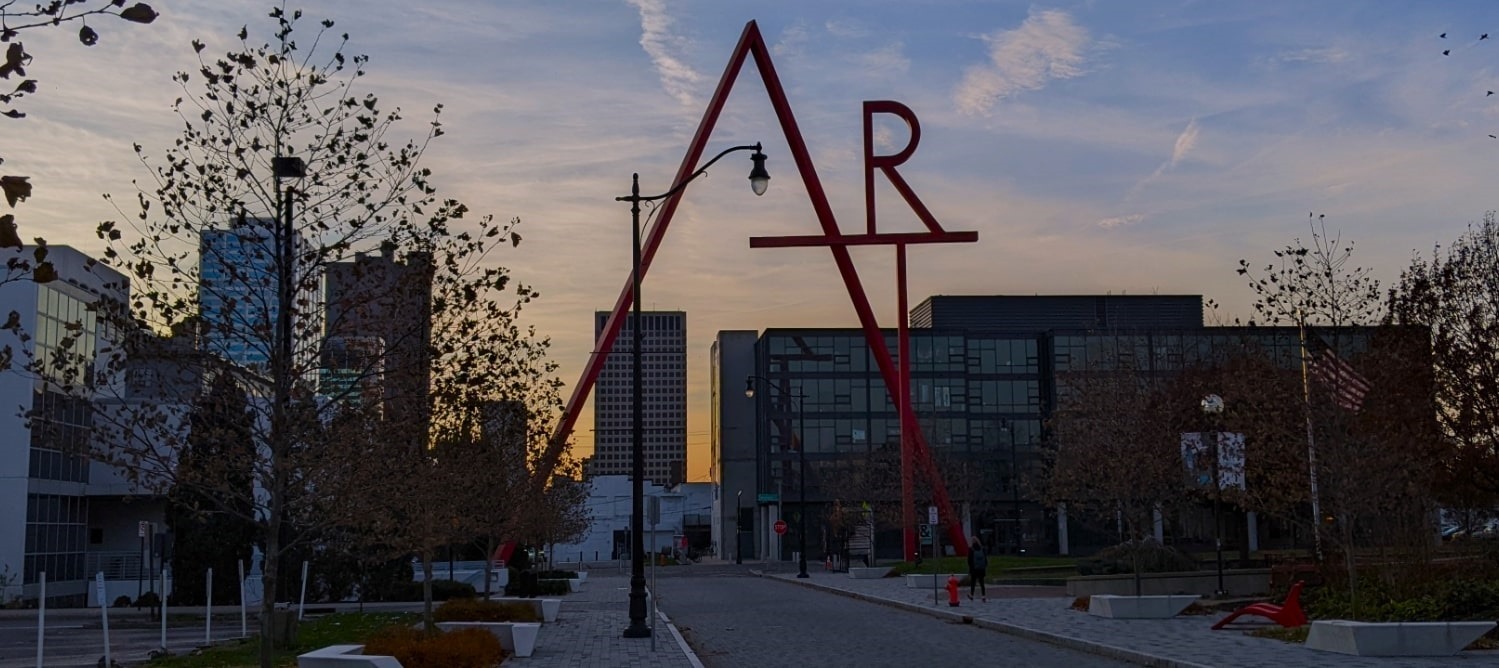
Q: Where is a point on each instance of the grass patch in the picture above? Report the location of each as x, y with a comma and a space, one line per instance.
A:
1296, 635
347, 628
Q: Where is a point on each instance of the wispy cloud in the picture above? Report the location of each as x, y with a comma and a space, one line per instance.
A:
1047, 46
793, 38
1185, 142
890, 59
656, 37
1326, 55
1121, 221
846, 28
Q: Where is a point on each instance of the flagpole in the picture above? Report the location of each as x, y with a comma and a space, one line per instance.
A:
1311, 443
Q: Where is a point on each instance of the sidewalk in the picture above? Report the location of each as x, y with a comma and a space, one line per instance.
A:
587, 633
1181, 642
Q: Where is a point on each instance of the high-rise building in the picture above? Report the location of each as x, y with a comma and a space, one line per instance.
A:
379, 329
237, 294
664, 365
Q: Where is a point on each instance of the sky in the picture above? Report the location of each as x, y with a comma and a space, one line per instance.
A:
1096, 147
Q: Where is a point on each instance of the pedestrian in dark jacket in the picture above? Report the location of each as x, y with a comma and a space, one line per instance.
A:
978, 567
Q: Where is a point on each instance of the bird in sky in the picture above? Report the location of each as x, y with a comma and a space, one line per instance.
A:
1483, 36
1490, 93
1447, 52
1493, 137
1443, 35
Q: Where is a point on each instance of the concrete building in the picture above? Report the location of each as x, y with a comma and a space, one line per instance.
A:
665, 386
732, 471
379, 330
49, 520
685, 525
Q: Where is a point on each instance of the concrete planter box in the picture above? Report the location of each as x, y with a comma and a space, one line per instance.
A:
1238, 582
924, 580
1394, 638
545, 607
575, 585
873, 573
582, 576
1138, 607
518, 638
344, 656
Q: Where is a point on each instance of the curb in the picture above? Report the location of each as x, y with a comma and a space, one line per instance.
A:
681, 642
1048, 637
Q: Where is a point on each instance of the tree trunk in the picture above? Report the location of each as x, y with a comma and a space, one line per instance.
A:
270, 573
427, 621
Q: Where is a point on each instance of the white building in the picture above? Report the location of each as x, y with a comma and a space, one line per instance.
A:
60, 513
685, 513
664, 361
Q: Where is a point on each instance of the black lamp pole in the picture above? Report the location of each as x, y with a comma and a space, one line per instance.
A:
759, 179
801, 456
1212, 406
738, 527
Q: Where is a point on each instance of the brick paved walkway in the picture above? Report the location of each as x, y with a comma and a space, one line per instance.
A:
1187, 642
587, 633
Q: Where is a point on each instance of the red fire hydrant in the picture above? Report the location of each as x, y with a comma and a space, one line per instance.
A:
952, 590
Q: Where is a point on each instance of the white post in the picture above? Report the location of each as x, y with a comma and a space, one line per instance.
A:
1160, 524
163, 607
208, 612
302, 605
103, 613
1062, 529
41, 618
1253, 520
653, 584
244, 629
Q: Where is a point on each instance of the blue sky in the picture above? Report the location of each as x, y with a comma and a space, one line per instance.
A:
1095, 146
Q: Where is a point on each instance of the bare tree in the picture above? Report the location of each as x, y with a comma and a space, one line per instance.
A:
1455, 293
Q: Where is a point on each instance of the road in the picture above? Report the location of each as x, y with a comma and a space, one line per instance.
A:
75, 641
732, 618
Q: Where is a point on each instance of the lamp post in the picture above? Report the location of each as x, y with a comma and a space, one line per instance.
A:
1212, 407
738, 527
759, 180
801, 466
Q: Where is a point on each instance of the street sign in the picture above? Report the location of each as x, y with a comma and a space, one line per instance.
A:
768, 498
780, 527
931, 514
141, 528
926, 533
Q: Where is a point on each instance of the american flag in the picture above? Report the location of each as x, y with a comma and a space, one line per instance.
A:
1346, 384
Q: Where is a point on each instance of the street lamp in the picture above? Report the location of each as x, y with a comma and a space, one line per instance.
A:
1212, 407
801, 455
759, 180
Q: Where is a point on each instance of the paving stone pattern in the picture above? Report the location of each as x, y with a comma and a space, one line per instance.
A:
587, 633
1185, 641
737, 620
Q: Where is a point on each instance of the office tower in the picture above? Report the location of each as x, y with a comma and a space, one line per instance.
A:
665, 393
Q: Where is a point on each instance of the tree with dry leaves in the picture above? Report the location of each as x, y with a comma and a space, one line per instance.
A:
14, 18
1455, 294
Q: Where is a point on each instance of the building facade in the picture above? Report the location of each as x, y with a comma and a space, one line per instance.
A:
664, 362
47, 522
982, 396
238, 275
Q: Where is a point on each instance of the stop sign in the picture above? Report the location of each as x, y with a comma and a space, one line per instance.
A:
780, 527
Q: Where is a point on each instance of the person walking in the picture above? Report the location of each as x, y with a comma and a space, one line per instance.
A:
978, 567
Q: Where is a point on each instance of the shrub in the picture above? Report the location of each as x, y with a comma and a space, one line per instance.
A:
1154, 558
121, 602
556, 575
148, 600
475, 610
442, 590
466, 648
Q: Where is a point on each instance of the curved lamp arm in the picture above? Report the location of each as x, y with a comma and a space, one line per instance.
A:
758, 171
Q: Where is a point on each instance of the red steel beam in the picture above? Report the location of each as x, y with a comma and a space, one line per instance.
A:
885, 239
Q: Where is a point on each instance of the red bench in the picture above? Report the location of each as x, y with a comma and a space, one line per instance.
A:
1288, 614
